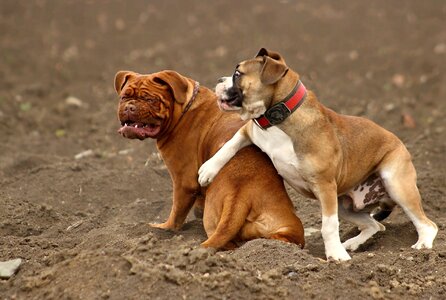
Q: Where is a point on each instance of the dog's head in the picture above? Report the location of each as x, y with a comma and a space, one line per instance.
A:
147, 102
251, 88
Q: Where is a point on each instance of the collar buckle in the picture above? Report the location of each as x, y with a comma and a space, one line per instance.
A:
277, 113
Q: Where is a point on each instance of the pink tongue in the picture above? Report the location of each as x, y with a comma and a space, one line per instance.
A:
141, 133
131, 132
224, 105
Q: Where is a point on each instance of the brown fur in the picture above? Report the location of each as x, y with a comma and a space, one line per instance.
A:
247, 199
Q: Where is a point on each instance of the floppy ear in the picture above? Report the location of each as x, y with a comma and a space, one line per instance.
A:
262, 52
272, 54
272, 70
177, 83
121, 79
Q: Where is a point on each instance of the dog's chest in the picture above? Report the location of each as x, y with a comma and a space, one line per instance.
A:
279, 147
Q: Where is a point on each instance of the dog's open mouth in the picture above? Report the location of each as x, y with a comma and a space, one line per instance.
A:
138, 130
229, 104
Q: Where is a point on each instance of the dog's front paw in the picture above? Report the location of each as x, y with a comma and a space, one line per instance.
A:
337, 254
165, 225
207, 173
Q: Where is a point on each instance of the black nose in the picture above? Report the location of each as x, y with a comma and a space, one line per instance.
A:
220, 80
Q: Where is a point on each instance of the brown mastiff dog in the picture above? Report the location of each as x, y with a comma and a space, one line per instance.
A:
320, 153
247, 200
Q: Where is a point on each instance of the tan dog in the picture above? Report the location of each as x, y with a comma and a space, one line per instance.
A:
320, 153
247, 200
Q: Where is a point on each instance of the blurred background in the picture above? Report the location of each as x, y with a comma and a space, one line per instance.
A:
362, 58
62, 162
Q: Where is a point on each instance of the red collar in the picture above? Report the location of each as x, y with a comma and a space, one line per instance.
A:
277, 113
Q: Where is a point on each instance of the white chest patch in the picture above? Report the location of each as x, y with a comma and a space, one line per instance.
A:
279, 147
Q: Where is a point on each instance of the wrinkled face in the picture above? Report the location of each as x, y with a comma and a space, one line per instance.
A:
144, 108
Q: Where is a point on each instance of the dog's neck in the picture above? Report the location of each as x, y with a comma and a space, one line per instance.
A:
180, 109
285, 86
285, 102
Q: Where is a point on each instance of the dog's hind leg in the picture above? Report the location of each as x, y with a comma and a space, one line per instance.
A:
399, 177
232, 218
289, 235
366, 224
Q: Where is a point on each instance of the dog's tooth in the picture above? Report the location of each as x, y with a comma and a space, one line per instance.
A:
125, 124
136, 125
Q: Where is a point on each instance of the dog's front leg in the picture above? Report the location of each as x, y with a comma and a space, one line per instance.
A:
183, 200
210, 169
327, 195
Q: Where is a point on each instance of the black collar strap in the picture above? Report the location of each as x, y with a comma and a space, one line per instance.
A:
277, 113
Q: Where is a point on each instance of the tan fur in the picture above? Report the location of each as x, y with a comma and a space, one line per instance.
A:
334, 152
247, 199
339, 149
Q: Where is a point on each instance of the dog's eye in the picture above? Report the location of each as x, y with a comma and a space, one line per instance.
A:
151, 100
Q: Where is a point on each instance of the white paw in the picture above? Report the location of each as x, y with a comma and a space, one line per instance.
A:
351, 244
426, 237
207, 173
338, 254
354, 243
422, 245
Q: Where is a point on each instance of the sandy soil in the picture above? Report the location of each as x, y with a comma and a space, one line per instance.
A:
80, 225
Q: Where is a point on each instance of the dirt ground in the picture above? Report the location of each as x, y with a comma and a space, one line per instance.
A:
80, 222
